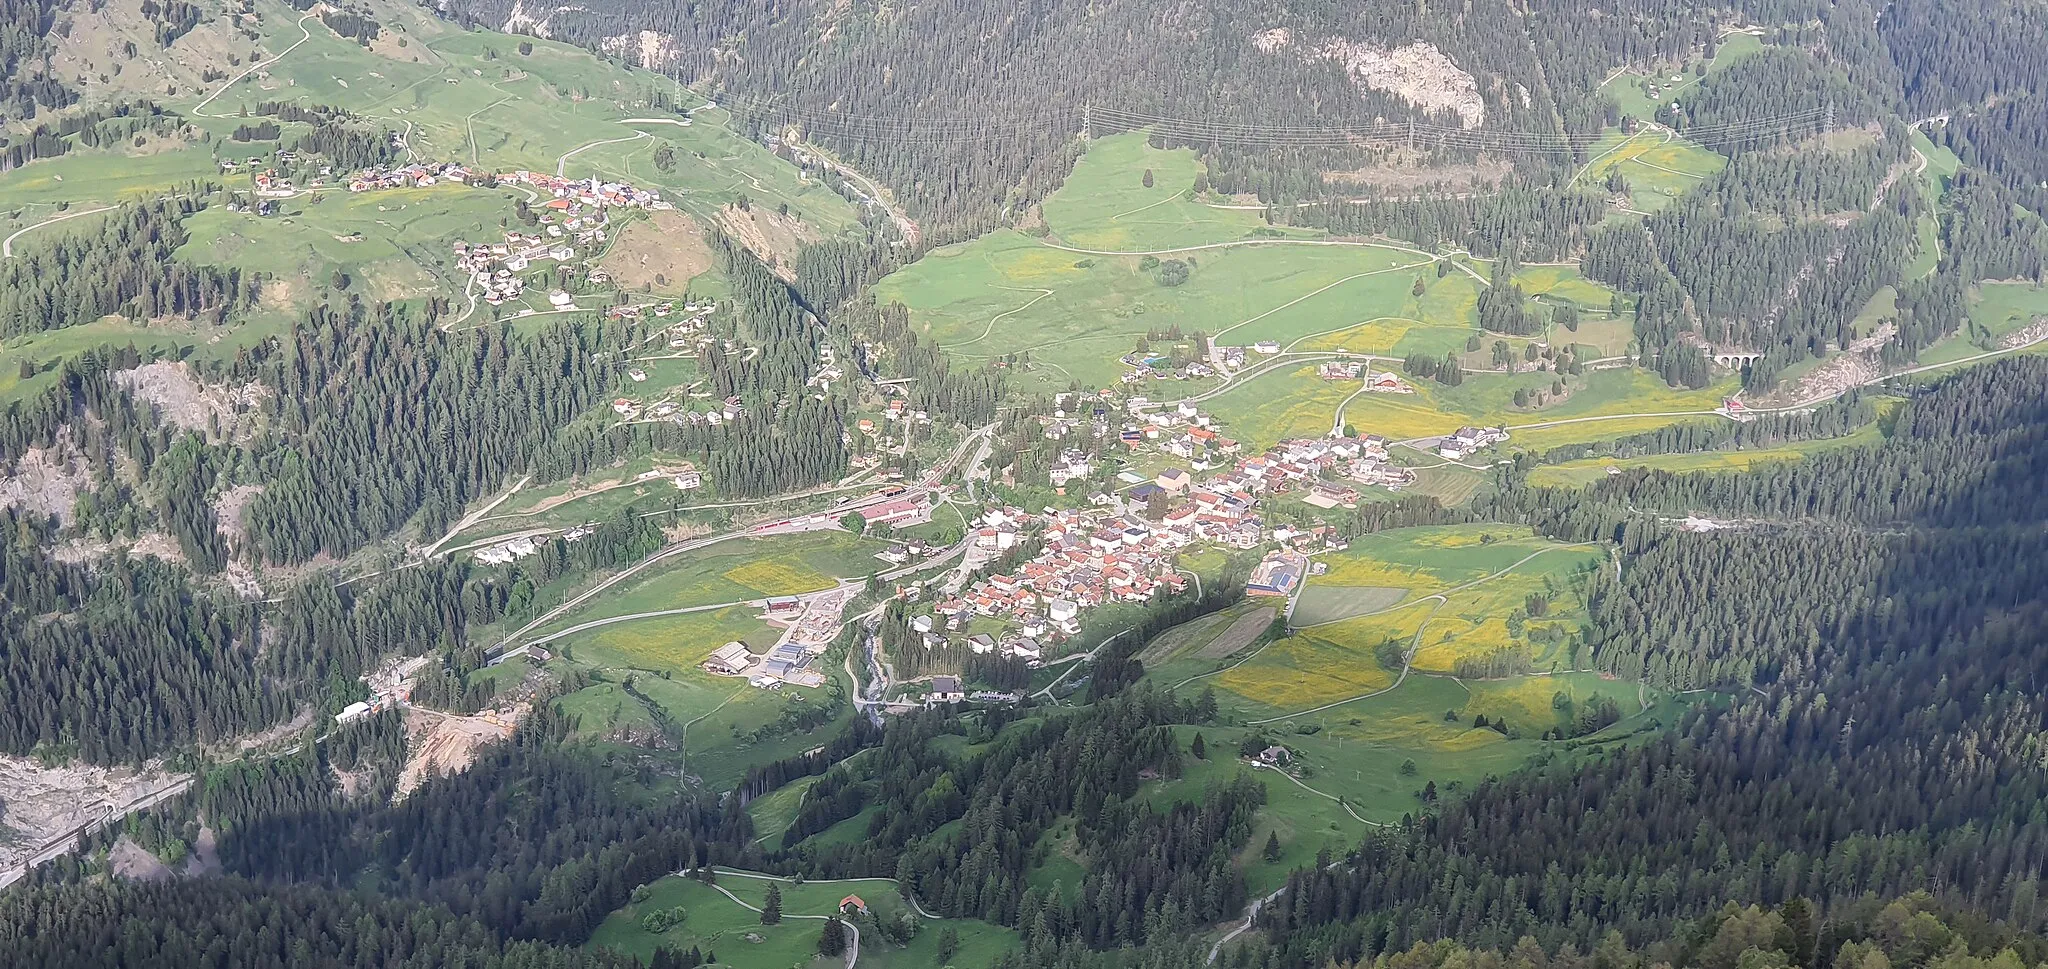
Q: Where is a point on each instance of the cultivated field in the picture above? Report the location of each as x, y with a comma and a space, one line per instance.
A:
1451, 594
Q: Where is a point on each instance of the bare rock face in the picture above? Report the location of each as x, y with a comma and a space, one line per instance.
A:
648, 48
39, 803
178, 394
1418, 73
45, 482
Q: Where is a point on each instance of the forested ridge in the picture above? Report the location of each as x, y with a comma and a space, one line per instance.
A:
127, 267
1885, 725
381, 415
995, 97
992, 95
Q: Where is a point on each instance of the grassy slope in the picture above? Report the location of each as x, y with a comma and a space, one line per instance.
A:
460, 95
1009, 292
713, 921
1294, 402
734, 571
1586, 471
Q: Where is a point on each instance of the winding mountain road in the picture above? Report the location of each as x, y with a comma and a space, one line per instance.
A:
7, 245
306, 35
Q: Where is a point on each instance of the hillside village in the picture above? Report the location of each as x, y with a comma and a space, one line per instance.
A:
1028, 579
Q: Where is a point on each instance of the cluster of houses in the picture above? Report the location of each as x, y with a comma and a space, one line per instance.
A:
1232, 359
1465, 440
690, 331
898, 412
1304, 464
416, 175
574, 195
1152, 366
494, 267
1088, 559
1380, 382
1181, 430
809, 622
728, 411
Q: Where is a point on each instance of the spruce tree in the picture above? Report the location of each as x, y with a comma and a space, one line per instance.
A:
832, 940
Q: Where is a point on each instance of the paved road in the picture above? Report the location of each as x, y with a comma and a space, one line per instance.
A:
779, 527
65, 843
7, 245
1251, 913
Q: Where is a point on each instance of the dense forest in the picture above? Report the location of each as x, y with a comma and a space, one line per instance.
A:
994, 95
370, 404
1897, 684
126, 265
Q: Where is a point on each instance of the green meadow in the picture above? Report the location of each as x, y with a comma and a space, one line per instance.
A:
1640, 93
394, 244
1292, 401
1657, 165
1450, 593
106, 177
1570, 474
1105, 203
1010, 294
714, 922
2002, 308
1368, 763
736, 570
1997, 309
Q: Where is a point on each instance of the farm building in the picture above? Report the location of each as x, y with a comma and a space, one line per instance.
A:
945, 689
1277, 574
730, 659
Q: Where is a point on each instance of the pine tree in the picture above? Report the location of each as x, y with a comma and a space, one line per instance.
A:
1199, 748
771, 912
1272, 851
831, 941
